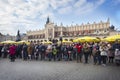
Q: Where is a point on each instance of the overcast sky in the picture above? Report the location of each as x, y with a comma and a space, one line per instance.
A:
31, 14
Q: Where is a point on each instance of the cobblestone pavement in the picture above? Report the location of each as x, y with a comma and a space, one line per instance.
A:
63, 70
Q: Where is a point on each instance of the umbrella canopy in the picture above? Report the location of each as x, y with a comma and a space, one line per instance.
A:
102, 39
76, 40
23, 41
112, 38
47, 42
8, 42
88, 39
64, 41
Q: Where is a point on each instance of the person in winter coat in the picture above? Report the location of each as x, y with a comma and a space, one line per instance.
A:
12, 52
42, 50
91, 48
86, 51
117, 57
1, 46
103, 53
116, 45
49, 51
74, 52
5, 50
19, 51
24, 51
95, 54
59, 52
110, 53
54, 51
70, 49
79, 52
65, 52
30, 50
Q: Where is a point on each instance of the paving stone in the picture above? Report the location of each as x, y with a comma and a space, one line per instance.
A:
62, 70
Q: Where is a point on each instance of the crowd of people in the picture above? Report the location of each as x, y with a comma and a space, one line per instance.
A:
101, 53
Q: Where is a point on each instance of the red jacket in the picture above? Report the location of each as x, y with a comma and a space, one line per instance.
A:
12, 50
79, 48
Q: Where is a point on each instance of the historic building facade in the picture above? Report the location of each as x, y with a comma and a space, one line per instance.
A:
52, 31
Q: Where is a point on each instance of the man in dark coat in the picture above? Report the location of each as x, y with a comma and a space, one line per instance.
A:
24, 51
1, 46
42, 50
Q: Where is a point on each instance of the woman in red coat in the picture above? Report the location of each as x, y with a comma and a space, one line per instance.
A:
12, 51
